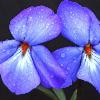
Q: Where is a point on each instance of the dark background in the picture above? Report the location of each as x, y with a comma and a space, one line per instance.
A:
9, 9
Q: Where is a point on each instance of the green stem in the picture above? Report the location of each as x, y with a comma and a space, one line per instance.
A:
47, 92
74, 96
60, 94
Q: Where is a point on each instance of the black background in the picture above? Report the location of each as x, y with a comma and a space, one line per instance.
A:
9, 9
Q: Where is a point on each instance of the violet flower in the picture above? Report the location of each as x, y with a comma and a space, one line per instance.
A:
24, 64
80, 26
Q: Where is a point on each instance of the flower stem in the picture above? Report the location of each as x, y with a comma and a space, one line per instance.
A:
60, 94
74, 96
47, 92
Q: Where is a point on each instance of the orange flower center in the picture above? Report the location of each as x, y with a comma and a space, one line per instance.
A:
88, 50
24, 47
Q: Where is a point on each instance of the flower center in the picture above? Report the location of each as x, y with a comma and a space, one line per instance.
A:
24, 47
88, 50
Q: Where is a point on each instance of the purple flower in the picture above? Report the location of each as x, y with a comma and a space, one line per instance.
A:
80, 26
24, 64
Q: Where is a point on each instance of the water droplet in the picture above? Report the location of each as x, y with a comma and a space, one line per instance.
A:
41, 16
4, 50
28, 10
23, 26
75, 36
74, 61
66, 72
30, 18
95, 38
74, 58
52, 23
51, 76
8, 52
62, 55
68, 49
48, 24
71, 17
71, 12
68, 68
61, 65
49, 34
14, 84
75, 22
42, 9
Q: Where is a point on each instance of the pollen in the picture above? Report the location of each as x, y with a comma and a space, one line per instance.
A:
24, 47
88, 50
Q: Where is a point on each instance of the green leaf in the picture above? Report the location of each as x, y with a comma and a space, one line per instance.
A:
74, 96
47, 92
60, 94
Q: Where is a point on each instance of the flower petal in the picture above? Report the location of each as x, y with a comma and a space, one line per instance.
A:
35, 25
90, 69
7, 49
50, 72
76, 22
97, 48
94, 28
69, 59
19, 74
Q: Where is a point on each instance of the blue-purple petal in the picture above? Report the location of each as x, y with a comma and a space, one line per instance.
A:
94, 28
69, 59
50, 72
35, 25
90, 69
7, 49
76, 22
97, 48
19, 74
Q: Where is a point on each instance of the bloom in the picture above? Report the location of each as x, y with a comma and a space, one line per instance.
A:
80, 26
24, 64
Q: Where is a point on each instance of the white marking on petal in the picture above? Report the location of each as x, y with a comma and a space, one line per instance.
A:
19, 74
90, 69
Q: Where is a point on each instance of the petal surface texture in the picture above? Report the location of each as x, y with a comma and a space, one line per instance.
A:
76, 22
7, 49
50, 72
90, 69
97, 48
80, 24
35, 25
19, 74
94, 28
69, 59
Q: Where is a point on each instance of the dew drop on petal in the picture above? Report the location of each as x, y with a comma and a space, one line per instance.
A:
62, 55
51, 76
68, 68
74, 61
61, 65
